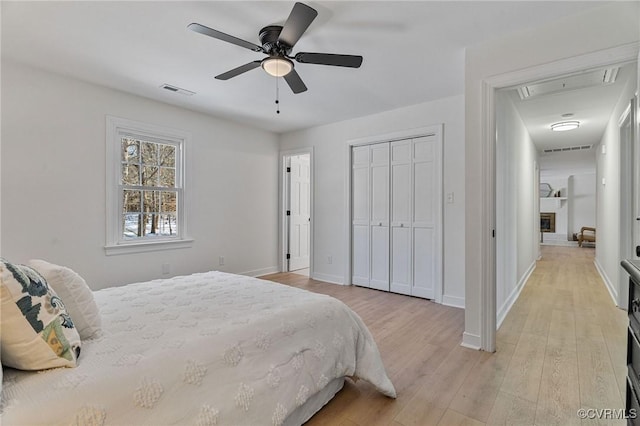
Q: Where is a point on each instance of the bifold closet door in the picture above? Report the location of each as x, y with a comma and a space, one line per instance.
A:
360, 204
401, 208
380, 216
426, 226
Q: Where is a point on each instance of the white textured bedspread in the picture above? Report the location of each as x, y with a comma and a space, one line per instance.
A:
204, 349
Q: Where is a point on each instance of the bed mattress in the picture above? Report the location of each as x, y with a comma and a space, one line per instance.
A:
209, 348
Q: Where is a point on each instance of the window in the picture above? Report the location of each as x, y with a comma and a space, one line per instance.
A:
146, 193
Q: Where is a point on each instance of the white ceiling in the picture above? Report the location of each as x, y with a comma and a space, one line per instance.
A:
413, 51
591, 106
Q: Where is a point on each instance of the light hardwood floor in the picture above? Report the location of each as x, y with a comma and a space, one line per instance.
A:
562, 347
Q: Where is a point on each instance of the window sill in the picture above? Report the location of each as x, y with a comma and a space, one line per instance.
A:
147, 246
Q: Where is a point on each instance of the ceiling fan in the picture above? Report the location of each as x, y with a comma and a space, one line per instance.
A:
277, 42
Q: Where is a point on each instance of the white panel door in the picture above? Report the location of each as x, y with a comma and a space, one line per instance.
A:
427, 252
380, 216
361, 252
401, 207
299, 229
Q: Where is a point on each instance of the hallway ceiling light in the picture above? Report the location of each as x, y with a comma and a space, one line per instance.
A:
563, 126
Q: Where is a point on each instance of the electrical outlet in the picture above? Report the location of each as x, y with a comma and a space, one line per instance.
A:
221, 260
329, 260
166, 269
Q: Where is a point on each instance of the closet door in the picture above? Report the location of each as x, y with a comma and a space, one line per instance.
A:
427, 257
360, 215
380, 216
401, 214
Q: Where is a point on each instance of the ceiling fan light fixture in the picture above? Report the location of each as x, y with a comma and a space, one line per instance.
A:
277, 66
564, 126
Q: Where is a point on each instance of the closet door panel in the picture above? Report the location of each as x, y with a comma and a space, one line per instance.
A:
425, 178
380, 257
360, 195
380, 216
401, 182
380, 184
360, 255
423, 263
360, 261
401, 260
425, 217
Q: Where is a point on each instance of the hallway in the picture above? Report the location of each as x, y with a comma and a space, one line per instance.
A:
568, 342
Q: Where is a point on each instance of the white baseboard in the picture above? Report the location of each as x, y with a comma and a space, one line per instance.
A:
453, 301
260, 272
515, 293
471, 341
328, 278
607, 282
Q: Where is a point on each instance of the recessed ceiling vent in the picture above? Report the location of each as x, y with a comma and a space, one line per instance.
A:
177, 90
572, 82
568, 148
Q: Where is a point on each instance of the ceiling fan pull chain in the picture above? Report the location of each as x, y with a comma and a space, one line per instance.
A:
277, 97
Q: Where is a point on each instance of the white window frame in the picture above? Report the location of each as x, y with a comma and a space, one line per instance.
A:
117, 128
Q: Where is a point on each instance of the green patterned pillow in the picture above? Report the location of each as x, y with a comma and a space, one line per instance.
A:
37, 331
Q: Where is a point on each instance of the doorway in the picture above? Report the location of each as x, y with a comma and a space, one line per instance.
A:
490, 94
296, 212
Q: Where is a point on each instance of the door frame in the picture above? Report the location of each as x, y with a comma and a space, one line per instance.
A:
282, 206
627, 196
616, 55
433, 130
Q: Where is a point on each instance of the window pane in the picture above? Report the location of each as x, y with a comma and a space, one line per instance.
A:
168, 225
130, 174
167, 155
151, 201
167, 177
149, 176
130, 150
149, 153
131, 229
169, 200
131, 201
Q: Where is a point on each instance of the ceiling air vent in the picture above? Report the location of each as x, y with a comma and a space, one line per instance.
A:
177, 90
572, 82
567, 148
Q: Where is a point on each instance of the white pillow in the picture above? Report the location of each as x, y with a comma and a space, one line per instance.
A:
77, 296
37, 331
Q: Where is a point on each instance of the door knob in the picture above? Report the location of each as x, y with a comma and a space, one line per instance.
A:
380, 224
402, 225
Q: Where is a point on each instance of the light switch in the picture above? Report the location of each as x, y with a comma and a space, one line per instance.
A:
449, 197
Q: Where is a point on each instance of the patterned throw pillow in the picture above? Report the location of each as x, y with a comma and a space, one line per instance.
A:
37, 331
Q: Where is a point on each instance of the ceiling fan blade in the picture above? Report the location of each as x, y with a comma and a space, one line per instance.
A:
299, 19
237, 71
295, 82
224, 37
351, 61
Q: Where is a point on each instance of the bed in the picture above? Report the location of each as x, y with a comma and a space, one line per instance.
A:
205, 349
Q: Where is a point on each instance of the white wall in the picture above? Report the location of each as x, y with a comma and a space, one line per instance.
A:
608, 196
611, 25
53, 182
330, 164
516, 204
